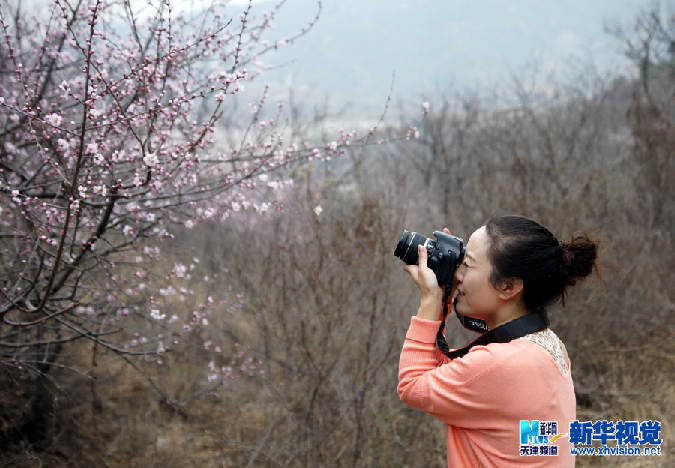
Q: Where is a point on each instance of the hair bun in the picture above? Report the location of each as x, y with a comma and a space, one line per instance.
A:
578, 257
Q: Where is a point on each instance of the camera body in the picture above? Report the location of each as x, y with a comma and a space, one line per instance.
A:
443, 255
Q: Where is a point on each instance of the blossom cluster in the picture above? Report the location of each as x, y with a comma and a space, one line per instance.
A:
118, 125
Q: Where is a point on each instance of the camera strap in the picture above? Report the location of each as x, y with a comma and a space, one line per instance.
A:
530, 323
473, 324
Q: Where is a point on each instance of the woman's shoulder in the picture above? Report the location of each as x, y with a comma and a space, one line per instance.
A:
515, 358
516, 355
495, 358
548, 341
499, 351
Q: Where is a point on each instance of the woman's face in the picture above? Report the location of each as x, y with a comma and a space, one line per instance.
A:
476, 297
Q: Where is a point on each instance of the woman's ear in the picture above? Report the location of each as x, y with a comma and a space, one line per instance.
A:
508, 288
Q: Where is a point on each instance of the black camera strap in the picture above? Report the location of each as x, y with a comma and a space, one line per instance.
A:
473, 324
532, 322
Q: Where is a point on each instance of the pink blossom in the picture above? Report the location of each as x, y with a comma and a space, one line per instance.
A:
157, 315
53, 119
179, 269
151, 159
62, 145
117, 156
264, 207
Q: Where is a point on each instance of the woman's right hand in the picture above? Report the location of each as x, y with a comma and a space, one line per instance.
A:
425, 278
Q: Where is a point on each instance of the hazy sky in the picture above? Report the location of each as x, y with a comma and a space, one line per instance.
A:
436, 46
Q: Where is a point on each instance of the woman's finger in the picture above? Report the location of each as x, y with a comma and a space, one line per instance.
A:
447, 231
413, 271
421, 256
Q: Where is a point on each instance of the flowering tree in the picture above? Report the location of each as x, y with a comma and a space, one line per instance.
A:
111, 131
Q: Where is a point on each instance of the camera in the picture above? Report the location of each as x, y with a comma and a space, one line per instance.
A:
444, 254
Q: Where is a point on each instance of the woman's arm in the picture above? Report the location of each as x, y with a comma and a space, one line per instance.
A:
464, 392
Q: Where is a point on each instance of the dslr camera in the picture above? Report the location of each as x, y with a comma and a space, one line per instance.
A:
444, 254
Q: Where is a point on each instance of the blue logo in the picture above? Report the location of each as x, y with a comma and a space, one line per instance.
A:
538, 437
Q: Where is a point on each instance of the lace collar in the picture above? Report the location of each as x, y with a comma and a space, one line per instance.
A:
548, 340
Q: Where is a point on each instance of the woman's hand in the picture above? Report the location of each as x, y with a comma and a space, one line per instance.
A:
431, 303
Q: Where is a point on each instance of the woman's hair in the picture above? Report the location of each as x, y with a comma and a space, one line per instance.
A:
522, 248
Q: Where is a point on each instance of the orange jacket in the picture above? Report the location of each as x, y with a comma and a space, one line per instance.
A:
483, 396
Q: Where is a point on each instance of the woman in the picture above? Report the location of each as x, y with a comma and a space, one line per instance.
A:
512, 267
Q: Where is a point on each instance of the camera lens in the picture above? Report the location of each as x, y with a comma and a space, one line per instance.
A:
402, 245
406, 249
